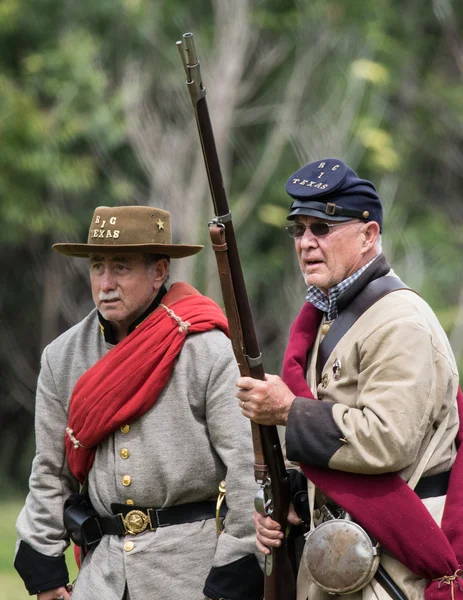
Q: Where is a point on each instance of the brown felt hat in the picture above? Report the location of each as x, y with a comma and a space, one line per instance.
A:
131, 229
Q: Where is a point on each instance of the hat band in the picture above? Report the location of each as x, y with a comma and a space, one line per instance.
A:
331, 209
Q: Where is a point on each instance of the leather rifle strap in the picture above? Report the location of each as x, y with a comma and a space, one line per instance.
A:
371, 293
219, 245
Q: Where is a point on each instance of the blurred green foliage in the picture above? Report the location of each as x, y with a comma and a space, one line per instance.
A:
11, 586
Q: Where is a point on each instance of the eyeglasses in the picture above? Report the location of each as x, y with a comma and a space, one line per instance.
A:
317, 228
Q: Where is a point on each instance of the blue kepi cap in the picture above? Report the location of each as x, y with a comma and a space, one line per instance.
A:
328, 188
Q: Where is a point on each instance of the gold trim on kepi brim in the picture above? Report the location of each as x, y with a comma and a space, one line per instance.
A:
129, 229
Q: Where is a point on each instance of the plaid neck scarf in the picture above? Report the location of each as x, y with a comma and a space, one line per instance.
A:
329, 304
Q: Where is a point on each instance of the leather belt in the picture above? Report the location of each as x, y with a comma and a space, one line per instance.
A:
136, 519
434, 485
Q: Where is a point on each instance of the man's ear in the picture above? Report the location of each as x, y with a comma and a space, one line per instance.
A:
161, 270
370, 234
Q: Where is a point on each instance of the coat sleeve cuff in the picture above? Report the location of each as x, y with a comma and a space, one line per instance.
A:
312, 436
38, 571
240, 579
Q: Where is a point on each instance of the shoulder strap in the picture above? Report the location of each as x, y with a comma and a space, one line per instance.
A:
371, 293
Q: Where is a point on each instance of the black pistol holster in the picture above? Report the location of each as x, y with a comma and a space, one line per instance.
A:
299, 494
81, 521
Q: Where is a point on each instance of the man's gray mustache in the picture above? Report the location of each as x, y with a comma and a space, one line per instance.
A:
109, 296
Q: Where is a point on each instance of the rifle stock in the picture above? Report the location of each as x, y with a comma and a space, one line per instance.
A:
270, 471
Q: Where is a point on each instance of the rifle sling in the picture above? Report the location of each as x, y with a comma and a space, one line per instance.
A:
371, 293
219, 245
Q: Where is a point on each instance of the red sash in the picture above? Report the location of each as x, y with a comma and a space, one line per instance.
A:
127, 381
384, 504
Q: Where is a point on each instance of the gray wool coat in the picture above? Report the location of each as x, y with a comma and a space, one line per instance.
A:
178, 452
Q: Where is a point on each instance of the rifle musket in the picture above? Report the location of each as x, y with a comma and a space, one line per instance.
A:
215, 223
269, 465
190, 62
253, 361
190, 48
195, 86
182, 56
220, 219
261, 504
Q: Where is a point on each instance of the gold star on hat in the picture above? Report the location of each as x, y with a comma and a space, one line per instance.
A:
160, 224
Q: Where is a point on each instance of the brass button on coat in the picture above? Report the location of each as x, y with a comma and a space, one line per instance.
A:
325, 328
125, 428
126, 480
128, 546
124, 453
130, 502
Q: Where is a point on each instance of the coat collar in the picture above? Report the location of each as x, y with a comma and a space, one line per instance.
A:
107, 329
378, 268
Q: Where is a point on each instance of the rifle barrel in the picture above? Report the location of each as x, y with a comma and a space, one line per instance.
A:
279, 576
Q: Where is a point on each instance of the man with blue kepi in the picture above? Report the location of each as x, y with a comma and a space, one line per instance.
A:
368, 399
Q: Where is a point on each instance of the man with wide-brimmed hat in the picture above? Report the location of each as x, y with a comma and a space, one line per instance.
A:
135, 409
368, 397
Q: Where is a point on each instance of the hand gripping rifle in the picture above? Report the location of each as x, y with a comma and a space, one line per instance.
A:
269, 468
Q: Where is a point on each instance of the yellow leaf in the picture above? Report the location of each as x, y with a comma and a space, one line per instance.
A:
370, 71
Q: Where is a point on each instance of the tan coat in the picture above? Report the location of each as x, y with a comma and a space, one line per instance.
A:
398, 382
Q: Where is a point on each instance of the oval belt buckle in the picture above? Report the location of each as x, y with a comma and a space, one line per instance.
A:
135, 521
